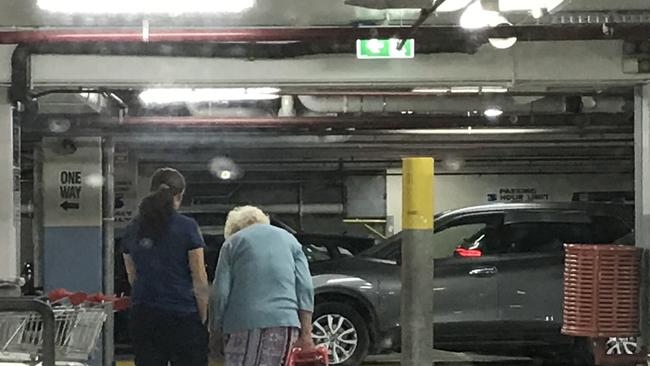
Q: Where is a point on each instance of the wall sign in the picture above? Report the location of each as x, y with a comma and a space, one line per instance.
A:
70, 189
517, 195
72, 179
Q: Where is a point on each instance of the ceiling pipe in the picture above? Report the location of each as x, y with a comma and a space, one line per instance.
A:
298, 34
146, 34
347, 122
216, 110
455, 104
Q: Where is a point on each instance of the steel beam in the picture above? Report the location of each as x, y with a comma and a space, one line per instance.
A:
529, 65
9, 247
642, 199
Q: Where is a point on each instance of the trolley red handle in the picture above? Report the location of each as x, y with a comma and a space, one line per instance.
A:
75, 298
78, 298
119, 303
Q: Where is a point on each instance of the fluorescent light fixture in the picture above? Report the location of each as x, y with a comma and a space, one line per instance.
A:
494, 89
145, 6
473, 131
181, 95
528, 5
492, 112
431, 90
465, 89
462, 90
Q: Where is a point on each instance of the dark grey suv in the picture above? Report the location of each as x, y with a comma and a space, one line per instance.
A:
498, 282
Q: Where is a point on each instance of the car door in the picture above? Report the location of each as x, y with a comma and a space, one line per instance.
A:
530, 278
465, 282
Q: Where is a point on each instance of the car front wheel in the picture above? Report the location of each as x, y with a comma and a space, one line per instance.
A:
343, 330
622, 346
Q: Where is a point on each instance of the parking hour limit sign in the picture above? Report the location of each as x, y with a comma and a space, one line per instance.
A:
385, 49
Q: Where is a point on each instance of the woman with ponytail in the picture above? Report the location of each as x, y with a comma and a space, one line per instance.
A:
163, 254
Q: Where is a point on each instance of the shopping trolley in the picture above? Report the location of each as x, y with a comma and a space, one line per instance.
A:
78, 322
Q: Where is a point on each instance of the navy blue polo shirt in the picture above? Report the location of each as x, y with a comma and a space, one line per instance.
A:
163, 275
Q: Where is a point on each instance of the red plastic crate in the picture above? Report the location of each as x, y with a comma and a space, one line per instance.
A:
601, 290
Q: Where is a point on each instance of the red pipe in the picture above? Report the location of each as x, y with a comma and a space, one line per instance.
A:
288, 34
277, 34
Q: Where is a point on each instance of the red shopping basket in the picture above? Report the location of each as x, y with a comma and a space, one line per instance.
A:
314, 357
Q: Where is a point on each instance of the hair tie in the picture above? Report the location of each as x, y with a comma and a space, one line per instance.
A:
164, 186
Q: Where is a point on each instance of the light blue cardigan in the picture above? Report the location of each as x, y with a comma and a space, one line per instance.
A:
262, 280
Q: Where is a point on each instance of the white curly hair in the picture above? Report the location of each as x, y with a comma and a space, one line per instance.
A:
242, 217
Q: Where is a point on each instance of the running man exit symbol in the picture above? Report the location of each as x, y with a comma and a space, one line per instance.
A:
384, 48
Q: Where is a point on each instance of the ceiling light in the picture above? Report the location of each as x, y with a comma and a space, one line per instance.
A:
180, 95
225, 168
431, 90
494, 89
225, 175
59, 125
475, 17
492, 112
465, 89
94, 180
502, 43
453, 164
145, 6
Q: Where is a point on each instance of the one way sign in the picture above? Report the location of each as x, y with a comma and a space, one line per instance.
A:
70, 205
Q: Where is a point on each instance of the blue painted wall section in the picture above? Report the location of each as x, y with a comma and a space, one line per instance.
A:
73, 258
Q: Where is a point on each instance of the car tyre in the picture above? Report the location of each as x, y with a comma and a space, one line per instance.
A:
584, 354
333, 324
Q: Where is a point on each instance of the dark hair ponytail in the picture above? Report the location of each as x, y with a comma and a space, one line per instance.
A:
157, 208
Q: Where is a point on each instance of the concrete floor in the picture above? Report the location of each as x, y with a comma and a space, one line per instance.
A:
440, 358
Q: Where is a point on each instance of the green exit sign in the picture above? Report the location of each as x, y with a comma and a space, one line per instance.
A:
384, 48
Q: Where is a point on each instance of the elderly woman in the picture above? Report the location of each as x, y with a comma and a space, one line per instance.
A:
263, 296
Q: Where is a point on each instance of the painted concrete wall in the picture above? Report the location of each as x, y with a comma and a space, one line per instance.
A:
465, 190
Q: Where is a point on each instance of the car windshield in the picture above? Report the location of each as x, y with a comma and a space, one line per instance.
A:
387, 246
316, 253
382, 249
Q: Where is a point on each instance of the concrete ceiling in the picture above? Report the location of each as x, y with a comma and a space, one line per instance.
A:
25, 13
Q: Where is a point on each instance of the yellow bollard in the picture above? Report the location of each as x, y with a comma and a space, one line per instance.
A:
417, 262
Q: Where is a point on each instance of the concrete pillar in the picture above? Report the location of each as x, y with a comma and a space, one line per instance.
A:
72, 203
417, 262
642, 199
73, 245
9, 248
